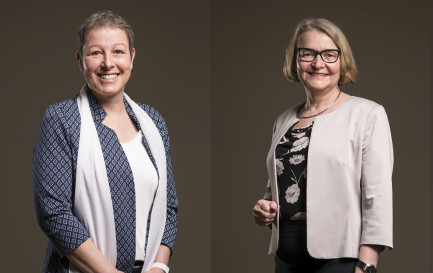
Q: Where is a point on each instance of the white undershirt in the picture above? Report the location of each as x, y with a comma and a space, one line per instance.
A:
146, 182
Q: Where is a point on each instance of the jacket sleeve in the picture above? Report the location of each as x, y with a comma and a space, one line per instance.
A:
376, 180
170, 229
52, 177
268, 191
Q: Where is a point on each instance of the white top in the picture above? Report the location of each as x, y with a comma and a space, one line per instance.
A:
146, 182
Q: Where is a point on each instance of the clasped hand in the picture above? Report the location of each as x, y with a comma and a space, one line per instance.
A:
264, 212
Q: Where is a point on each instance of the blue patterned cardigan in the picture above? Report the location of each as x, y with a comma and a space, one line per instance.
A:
53, 174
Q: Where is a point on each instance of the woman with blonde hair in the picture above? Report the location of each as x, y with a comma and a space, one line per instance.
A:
329, 193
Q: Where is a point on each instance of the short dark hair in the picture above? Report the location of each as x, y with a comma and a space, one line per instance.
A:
100, 19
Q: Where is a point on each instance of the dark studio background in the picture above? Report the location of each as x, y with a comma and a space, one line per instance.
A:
214, 71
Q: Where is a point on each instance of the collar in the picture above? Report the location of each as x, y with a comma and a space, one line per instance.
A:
98, 112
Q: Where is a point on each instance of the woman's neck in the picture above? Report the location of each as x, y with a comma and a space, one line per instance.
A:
112, 104
317, 101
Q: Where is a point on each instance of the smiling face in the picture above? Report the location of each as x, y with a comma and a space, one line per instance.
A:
317, 76
106, 61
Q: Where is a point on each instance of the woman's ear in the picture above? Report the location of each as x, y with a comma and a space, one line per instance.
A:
132, 57
80, 64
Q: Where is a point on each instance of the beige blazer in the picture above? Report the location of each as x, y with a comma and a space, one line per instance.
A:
349, 187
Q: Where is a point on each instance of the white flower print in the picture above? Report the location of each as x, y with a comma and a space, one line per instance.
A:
283, 140
300, 144
292, 193
296, 159
280, 166
298, 135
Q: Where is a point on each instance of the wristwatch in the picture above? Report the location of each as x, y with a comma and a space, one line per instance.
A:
366, 268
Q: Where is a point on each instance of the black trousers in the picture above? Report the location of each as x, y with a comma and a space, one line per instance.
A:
138, 266
137, 270
293, 257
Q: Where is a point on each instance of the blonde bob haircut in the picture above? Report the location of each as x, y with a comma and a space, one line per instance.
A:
348, 69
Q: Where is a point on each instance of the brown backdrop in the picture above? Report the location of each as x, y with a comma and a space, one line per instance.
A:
214, 70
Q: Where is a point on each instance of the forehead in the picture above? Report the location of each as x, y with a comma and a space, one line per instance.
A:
106, 36
316, 40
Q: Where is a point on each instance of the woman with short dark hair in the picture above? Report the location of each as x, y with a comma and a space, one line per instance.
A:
103, 185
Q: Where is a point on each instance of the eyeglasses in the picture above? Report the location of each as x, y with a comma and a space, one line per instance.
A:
327, 55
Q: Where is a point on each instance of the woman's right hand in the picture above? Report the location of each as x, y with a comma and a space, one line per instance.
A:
264, 212
90, 259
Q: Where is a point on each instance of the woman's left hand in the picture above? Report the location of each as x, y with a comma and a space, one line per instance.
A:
369, 254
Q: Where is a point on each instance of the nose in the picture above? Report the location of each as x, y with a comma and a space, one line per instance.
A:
318, 62
108, 61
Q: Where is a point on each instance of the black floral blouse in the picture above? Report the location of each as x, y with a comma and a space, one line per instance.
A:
291, 157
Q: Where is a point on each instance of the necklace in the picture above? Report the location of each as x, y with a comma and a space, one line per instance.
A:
315, 115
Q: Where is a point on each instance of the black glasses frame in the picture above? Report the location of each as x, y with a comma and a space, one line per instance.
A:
318, 53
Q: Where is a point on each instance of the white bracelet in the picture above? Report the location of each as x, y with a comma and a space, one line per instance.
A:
161, 266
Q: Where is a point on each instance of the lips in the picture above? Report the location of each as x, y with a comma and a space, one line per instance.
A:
318, 74
108, 76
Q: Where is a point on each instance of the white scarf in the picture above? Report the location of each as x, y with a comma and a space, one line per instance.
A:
93, 204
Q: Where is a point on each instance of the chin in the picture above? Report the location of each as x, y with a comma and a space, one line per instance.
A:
110, 93
106, 91
318, 87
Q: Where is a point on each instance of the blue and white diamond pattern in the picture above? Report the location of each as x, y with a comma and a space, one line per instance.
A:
54, 168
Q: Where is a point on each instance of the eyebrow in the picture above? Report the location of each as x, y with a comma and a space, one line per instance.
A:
97, 45
317, 50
